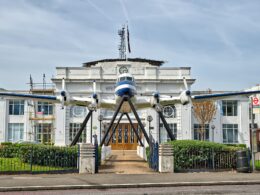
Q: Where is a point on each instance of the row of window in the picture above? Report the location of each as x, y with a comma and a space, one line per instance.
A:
230, 133
44, 133
16, 107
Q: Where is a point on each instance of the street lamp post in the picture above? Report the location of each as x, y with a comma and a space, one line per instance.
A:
149, 119
213, 127
100, 119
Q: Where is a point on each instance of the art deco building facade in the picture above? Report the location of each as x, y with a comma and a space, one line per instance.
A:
25, 120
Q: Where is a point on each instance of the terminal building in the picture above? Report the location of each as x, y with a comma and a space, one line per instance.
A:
27, 120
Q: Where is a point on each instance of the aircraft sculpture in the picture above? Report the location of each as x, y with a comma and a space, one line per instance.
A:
126, 100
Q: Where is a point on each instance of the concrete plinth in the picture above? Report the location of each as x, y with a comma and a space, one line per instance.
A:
87, 158
166, 158
105, 153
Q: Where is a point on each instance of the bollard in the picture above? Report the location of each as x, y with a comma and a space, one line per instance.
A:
87, 158
166, 158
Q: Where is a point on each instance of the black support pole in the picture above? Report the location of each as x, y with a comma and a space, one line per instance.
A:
114, 129
172, 137
138, 120
83, 125
136, 133
113, 119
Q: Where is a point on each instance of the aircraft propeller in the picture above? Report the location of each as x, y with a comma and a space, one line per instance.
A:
63, 93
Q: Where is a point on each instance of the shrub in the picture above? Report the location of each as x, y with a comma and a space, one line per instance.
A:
186, 152
39, 154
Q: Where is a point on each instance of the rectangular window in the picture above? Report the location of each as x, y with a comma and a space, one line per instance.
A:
199, 133
164, 135
44, 133
16, 107
74, 128
250, 113
15, 132
230, 133
229, 107
45, 108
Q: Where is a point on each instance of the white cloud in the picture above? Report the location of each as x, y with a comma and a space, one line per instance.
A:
216, 38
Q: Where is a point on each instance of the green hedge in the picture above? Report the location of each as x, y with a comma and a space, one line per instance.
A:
39, 154
188, 151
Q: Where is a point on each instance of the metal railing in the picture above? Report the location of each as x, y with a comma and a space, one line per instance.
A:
154, 156
209, 160
257, 161
15, 159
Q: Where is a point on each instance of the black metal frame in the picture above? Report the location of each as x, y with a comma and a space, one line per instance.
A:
83, 125
135, 131
165, 124
123, 99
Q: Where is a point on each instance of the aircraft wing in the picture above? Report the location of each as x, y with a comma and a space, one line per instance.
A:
46, 98
78, 101
142, 102
147, 102
219, 96
164, 101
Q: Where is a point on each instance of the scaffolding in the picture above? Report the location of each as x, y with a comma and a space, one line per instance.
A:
41, 121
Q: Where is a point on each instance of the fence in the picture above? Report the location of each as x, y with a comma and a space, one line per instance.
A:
15, 159
209, 160
154, 156
257, 161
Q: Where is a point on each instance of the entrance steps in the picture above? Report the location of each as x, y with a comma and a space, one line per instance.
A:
125, 162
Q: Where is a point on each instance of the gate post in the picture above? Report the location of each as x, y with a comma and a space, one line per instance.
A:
87, 158
166, 158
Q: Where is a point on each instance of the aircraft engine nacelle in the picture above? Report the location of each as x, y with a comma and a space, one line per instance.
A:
64, 98
155, 99
185, 97
94, 102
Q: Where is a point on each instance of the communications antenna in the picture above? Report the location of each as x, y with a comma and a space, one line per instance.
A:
124, 45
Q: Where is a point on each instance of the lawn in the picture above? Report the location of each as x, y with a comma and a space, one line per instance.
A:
15, 164
257, 165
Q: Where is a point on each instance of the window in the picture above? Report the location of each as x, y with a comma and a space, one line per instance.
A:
169, 111
78, 111
74, 128
164, 135
45, 108
250, 113
16, 107
15, 132
230, 133
198, 134
44, 133
229, 107
129, 78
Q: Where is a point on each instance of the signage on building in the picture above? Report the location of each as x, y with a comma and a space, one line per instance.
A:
256, 105
256, 102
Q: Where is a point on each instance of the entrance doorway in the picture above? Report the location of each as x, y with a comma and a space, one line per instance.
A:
124, 137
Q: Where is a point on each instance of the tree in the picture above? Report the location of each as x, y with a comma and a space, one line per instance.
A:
204, 111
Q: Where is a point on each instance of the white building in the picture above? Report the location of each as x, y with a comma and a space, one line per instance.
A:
43, 122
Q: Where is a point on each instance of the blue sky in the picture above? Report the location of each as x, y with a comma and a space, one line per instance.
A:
218, 39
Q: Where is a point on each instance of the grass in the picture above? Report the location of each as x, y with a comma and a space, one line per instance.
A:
15, 164
257, 165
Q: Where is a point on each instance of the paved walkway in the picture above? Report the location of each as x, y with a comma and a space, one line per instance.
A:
123, 170
125, 162
103, 181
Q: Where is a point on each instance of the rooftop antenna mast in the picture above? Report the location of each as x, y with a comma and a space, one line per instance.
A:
124, 42
31, 82
122, 45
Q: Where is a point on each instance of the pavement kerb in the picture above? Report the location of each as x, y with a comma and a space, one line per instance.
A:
132, 185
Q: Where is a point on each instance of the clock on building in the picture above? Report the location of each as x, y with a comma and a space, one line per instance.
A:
123, 69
